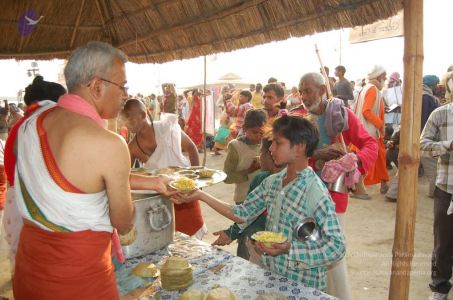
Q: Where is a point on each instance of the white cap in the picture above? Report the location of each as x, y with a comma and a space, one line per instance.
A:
375, 72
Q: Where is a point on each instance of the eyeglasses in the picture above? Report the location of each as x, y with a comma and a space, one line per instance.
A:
122, 87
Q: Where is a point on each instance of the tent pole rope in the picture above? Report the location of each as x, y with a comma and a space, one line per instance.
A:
409, 153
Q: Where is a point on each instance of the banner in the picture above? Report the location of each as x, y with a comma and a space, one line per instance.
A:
390, 27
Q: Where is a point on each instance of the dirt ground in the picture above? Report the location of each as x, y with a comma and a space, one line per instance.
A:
369, 229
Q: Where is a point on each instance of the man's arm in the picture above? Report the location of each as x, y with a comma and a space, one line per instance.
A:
253, 206
430, 143
367, 109
359, 137
116, 178
155, 183
187, 145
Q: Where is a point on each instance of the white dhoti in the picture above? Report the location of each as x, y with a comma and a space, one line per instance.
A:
337, 274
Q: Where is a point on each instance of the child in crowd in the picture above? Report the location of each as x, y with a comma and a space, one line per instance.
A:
239, 111
241, 162
221, 138
245, 248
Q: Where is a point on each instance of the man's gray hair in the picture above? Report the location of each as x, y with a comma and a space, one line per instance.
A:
316, 77
86, 62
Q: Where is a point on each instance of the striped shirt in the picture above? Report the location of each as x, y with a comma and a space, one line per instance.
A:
435, 141
305, 196
238, 112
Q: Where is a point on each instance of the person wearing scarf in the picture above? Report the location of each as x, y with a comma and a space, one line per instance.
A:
369, 108
72, 184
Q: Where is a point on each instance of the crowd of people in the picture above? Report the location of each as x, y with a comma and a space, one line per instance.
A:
72, 193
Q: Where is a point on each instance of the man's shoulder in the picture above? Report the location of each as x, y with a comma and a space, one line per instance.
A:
93, 134
441, 110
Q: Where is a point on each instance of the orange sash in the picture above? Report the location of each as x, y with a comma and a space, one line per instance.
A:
64, 265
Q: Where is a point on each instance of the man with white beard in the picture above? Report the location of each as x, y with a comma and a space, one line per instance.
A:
332, 118
369, 108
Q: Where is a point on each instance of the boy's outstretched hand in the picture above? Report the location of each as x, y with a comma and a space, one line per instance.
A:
276, 249
222, 240
182, 198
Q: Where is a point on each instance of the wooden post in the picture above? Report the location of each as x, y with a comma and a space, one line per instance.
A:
204, 115
408, 160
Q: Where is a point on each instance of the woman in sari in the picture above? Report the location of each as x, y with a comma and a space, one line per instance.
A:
193, 127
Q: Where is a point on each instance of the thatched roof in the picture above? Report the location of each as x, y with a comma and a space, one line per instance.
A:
157, 31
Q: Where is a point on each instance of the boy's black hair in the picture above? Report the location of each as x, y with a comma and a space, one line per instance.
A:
255, 118
277, 88
298, 131
247, 94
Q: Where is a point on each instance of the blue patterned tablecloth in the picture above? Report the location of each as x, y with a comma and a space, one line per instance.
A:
213, 267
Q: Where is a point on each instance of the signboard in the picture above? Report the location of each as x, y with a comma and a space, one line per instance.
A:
390, 27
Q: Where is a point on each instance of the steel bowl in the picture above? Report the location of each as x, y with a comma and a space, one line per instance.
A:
307, 230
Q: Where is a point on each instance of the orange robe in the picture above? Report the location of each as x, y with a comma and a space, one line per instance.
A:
62, 265
378, 172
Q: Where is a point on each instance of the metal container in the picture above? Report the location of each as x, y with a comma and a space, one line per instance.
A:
154, 223
338, 186
307, 230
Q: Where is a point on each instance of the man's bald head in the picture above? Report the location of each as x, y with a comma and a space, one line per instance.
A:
134, 114
134, 105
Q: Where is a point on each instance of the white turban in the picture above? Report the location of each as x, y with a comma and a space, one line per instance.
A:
375, 72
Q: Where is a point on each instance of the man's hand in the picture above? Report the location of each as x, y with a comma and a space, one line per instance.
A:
160, 185
222, 240
327, 154
276, 249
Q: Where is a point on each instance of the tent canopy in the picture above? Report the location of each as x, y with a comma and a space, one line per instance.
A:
157, 31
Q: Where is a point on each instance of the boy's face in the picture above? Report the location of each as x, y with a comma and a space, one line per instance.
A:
271, 100
254, 134
242, 99
281, 150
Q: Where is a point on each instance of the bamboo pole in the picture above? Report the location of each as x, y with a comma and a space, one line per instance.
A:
408, 160
329, 92
204, 114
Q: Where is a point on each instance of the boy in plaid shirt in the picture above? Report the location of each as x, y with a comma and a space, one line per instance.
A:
290, 196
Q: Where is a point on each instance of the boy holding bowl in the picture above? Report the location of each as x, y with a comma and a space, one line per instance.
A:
290, 196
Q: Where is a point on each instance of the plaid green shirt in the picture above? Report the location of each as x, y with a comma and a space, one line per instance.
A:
435, 141
305, 196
